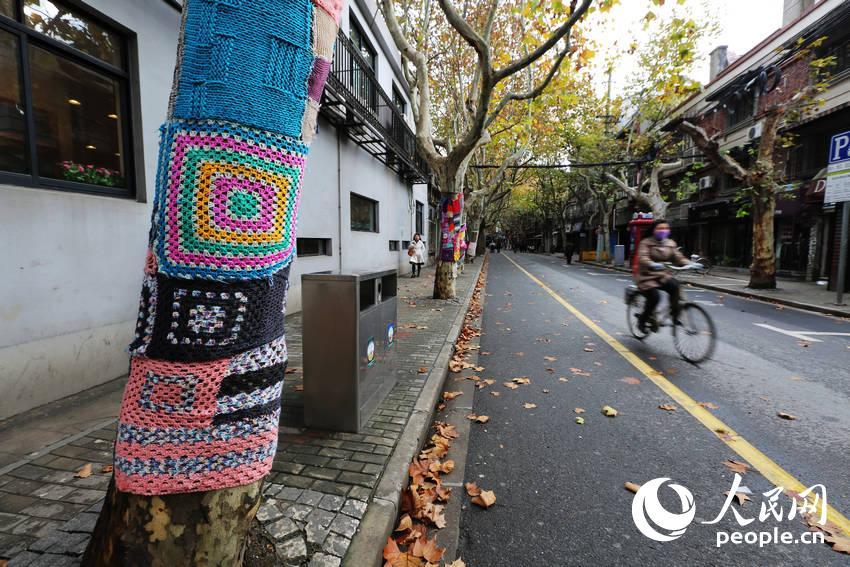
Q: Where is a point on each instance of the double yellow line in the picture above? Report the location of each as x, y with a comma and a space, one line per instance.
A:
761, 462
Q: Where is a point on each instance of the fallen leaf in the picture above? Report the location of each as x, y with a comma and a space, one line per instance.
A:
474, 378
478, 418
545, 391
653, 358
529, 405
632, 487
550, 358
839, 543
484, 353
457, 563
765, 398
579, 410
519, 354
472, 489
497, 394
579, 372
709, 405
446, 430
668, 407
562, 379
604, 302
84, 471
405, 524
580, 420
630, 380
588, 349
741, 497
486, 499
787, 416
510, 385
424, 370
608, 411
522, 380
106, 469
737, 466
428, 550
451, 395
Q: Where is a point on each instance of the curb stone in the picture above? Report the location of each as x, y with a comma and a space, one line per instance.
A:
368, 543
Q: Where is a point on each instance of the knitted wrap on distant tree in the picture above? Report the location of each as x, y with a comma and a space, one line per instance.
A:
202, 405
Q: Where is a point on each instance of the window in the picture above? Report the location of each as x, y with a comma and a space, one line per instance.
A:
420, 217
64, 118
362, 72
741, 109
313, 247
405, 244
394, 246
841, 52
399, 101
364, 214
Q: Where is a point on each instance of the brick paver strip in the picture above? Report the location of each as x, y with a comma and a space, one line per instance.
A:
322, 484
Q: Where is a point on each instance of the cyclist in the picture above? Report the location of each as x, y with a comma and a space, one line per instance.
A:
654, 250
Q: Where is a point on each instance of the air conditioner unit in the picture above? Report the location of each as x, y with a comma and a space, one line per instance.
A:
706, 182
755, 131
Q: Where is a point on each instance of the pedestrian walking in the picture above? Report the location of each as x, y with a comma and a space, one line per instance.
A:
416, 251
569, 250
498, 246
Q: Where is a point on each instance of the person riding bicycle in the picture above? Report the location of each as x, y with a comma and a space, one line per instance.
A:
653, 252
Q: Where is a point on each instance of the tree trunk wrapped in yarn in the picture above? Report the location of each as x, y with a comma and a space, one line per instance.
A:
197, 431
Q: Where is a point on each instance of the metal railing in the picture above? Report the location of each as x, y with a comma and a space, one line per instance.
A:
355, 101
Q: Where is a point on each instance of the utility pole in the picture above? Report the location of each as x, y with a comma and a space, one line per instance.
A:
845, 243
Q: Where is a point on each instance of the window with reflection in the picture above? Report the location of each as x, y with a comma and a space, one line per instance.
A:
65, 120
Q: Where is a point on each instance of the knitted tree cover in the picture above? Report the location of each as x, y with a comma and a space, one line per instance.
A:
202, 405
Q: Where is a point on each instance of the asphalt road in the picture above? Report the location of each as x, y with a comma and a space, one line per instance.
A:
559, 485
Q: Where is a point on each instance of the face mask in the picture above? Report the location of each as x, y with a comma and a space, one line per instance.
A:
662, 233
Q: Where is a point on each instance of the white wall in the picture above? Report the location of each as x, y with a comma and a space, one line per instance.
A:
72, 263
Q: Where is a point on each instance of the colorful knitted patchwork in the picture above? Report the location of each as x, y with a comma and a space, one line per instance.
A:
202, 404
451, 209
186, 427
192, 320
228, 200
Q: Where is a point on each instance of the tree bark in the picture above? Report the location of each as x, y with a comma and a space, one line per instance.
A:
763, 268
195, 529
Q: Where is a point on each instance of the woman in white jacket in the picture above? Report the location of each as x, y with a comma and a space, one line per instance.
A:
417, 254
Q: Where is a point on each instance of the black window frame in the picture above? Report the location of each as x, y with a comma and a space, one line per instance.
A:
419, 217
376, 207
395, 246
356, 28
128, 91
325, 247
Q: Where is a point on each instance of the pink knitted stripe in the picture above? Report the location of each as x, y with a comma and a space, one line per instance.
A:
208, 449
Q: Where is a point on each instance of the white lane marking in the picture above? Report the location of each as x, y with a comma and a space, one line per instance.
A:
624, 280
710, 303
802, 335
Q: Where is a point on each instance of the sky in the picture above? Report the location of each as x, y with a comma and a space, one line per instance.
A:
741, 25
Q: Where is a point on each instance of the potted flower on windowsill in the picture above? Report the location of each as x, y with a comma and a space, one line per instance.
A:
79, 173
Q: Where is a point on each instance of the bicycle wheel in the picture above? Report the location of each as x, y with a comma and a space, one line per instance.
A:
634, 308
695, 336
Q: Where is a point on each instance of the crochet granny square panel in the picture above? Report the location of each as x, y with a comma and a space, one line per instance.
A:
186, 427
244, 61
227, 200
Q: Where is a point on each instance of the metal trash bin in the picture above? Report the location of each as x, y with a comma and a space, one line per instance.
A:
619, 255
349, 331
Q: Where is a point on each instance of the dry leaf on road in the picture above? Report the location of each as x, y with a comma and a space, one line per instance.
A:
608, 411
839, 543
632, 487
630, 380
510, 385
579, 410
550, 358
424, 370
787, 416
588, 349
457, 563
472, 489
668, 407
737, 466
709, 405
486, 499
478, 418
405, 524
451, 395
741, 497
528, 405
580, 420
563, 379
579, 372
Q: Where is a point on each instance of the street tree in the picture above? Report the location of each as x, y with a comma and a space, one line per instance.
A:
759, 170
502, 40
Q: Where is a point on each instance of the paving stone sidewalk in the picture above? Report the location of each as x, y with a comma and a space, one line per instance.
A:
321, 482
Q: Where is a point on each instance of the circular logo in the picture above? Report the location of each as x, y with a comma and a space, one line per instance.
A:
390, 334
653, 520
370, 351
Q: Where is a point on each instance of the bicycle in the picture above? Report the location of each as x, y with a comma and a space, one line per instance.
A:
694, 334
706, 264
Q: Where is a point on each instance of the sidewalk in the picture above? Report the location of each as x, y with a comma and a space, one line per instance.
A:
793, 293
321, 485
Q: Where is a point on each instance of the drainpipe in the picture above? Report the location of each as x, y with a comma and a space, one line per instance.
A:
339, 195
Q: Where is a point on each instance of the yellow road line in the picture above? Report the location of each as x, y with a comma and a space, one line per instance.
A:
761, 462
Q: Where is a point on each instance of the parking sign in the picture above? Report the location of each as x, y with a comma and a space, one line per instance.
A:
838, 172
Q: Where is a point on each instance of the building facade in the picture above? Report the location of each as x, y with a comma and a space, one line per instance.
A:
86, 87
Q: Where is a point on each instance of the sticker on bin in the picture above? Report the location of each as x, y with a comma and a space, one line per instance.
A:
370, 352
390, 334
